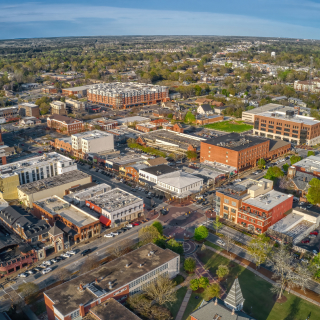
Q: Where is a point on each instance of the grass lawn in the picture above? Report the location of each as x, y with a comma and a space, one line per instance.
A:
174, 308
212, 245
178, 279
257, 294
192, 305
237, 126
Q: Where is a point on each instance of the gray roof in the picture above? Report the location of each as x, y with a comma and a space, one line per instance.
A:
234, 297
301, 180
159, 170
55, 230
206, 107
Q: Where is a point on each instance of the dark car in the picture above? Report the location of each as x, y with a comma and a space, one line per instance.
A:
148, 197
85, 252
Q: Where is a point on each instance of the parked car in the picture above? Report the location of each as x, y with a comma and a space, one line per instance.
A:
311, 236
85, 252
45, 271
237, 180
305, 241
315, 232
71, 252
115, 233
54, 260
43, 266
309, 206
222, 243
109, 235
23, 275
65, 255
48, 263
37, 269
129, 225
136, 224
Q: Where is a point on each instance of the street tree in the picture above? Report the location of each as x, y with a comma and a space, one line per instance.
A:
201, 233
228, 241
313, 195
273, 173
191, 155
161, 290
261, 163
194, 284
222, 271
259, 248
217, 224
148, 234
140, 304
189, 265
212, 291
158, 226
310, 153
294, 159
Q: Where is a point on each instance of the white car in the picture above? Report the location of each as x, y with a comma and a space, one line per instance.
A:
129, 225
237, 180
115, 233
48, 263
109, 235
71, 252
65, 255
45, 271
23, 275
43, 266
222, 243
54, 260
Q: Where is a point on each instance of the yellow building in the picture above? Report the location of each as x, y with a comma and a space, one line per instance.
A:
8, 186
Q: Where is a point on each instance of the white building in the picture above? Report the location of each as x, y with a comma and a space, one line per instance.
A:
152, 174
58, 107
93, 141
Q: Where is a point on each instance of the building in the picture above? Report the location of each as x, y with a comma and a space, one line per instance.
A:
63, 144
32, 169
9, 112
205, 109
73, 224
170, 141
50, 90
132, 172
152, 174
117, 279
33, 191
29, 110
79, 195
228, 309
130, 121
207, 119
95, 141
115, 162
241, 151
295, 226
288, 127
29, 121
58, 107
116, 206
156, 161
64, 124
220, 110
74, 106
102, 124
124, 95
146, 127
211, 102
307, 85
309, 165
77, 91
28, 86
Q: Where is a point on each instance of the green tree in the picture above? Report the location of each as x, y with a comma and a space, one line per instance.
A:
148, 234
285, 167
175, 246
201, 233
191, 155
261, 163
273, 173
222, 271
189, 265
217, 224
313, 195
311, 153
295, 159
203, 282
212, 291
194, 284
170, 116
259, 248
158, 226
189, 117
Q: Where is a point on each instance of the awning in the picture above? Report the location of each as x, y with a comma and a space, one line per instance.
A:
104, 220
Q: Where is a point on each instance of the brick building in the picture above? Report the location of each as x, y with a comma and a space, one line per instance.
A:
62, 144
102, 124
29, 110
117, 279
203, 119
309, 165
50, 90
241, 152
124, 95
288, 127
58, 107
64, 124
77, 91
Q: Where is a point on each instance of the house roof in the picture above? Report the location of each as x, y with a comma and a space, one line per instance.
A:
234, 297
61, 118
206, 107
156, 162
180, 179
55, 230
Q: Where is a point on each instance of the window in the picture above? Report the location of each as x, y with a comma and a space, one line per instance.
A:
234, 203
226, 201
233, 210
225, 208
75, 314
287, 130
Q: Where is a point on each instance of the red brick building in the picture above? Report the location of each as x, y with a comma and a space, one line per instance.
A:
63, 144
202, 120
241, 152
64, 124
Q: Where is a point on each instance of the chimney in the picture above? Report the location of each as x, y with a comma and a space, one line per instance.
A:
216, 302
96, 281
81, 287
140, 266
232, 313
81, 307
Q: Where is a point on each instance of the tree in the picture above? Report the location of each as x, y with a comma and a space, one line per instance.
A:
158, 226
294, 159
194, 284
189, 117
222, 271
212, 291
259, 248
191, 155
273, 173
189, 265
162, 290
63, 274
175, 246
148, 234
217, 224
310, 153
228, 241
203, 247
140, 304
261, 163
203, 282
313, 195
201, 233
285, 167
28, 288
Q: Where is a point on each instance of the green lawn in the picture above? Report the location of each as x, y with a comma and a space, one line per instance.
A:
192, 305
257, 294
212, 245
174, 308
227, 126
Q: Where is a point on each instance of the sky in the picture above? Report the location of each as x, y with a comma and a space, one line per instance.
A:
61, 18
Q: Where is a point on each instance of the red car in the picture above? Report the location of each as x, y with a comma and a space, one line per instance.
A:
315, 232
305, 241
39, 151
136, 224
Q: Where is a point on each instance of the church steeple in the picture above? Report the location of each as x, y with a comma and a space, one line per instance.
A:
234, 299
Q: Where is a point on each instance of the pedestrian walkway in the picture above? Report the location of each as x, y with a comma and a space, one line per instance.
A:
184, 305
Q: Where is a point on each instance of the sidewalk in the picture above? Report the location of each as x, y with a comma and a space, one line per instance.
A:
184, 305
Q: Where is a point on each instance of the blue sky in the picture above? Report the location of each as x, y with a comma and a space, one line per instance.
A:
269, 18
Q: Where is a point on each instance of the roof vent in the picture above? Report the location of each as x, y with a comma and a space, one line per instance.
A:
140, 265
127, 265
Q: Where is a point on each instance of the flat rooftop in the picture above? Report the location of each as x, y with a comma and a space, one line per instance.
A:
295, 118
30, 105
91, 192
81, 88
115, 199
67, 297
311, 163
268, 200
57, 206
235, 141
133, 119
30, 163
123, 160
90, 135
269, 107
51, 182
159, 170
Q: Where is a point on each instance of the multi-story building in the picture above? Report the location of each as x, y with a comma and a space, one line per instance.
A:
102, 124
77, 224
50, 90
124, 95
57, 185
63, 144
309, 165
116, 206
241, 152
95, 141
77, 91
58, 107
152, 174
307, 85
253, 205
37, 168
74, 106
29, 110
64, 124
117, 279
287, 126
9, 112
